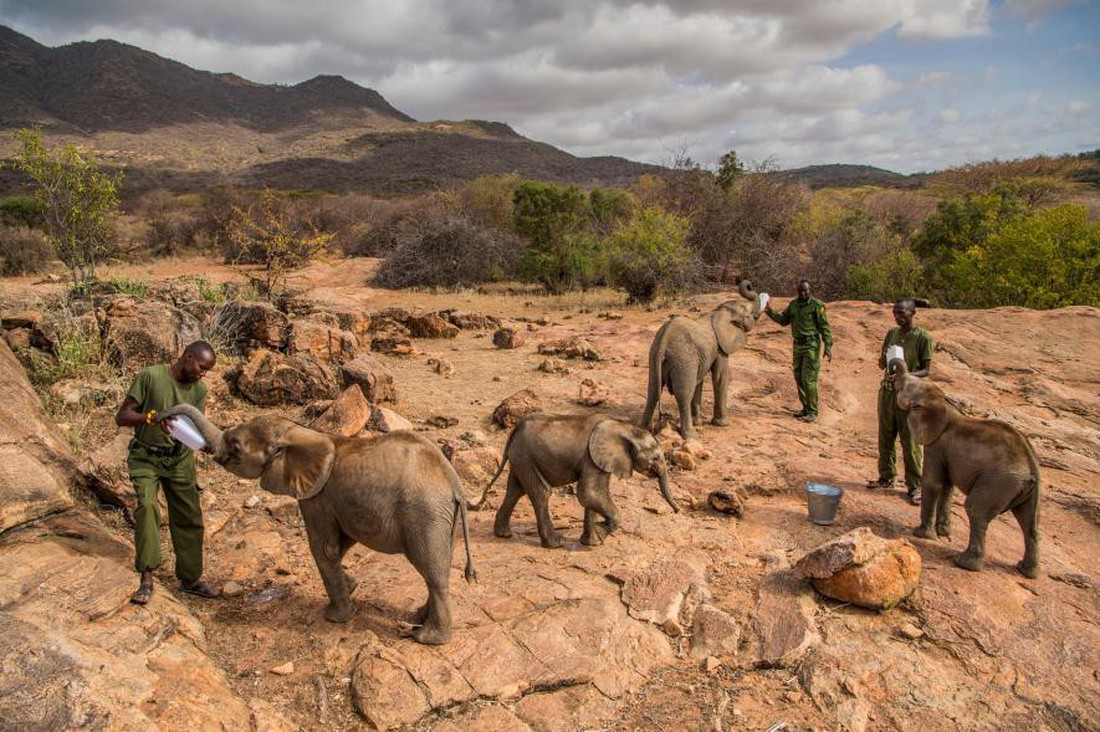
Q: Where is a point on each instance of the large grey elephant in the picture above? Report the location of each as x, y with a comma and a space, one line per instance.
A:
686, 349
395, 493
989, 461
551, 450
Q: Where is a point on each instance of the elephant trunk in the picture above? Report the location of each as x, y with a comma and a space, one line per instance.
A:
207, 429
744, 288
666, 493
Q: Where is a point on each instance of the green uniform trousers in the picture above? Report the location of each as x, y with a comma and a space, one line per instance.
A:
807, 367
893, 423
176, 474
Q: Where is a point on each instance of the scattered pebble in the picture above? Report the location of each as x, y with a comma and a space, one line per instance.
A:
285, 670
232, 589
252, 501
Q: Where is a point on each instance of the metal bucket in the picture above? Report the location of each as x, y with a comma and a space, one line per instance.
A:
823, 501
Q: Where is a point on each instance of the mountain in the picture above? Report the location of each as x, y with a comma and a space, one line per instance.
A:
851, 176
172, 126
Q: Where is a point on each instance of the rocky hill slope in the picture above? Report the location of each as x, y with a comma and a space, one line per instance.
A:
172, 126
558, 639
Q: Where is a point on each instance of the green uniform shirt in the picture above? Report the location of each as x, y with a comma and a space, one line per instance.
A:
808, 321
917, 345
154, 388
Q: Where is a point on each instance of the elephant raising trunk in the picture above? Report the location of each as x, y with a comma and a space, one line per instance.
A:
686, 349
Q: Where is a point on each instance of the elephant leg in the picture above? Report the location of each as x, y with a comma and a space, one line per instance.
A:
719, 376
326, 544
548, 535
697, 403
346, 542
934, 485
943, 511
684, 391
430, 553
1027, 515
502, 526
597, 501
980, 516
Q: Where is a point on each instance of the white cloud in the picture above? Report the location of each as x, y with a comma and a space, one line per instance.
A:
949, 115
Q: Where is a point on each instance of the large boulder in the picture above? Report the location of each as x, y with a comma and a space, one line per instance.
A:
666, 593
863, 569
516, 407
346, 416
432, 325
138, 333
272, 379
372, 376
784, 625
247, 326
320, 334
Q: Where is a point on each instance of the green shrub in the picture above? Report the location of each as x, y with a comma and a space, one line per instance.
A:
23, 251
649, 253
127, 286
77, 351
22, 211
884, 280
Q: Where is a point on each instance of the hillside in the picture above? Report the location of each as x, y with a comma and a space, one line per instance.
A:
851, 176
544, 639
172, 126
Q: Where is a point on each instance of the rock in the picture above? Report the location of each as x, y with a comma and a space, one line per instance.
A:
683, 460
346, 416
384, 692
272, 379
12, 319
387, 420
442, 367
285, 669
86, 393
784, 629
610, 316
441, 421
508, 338
714, 633
592, 393
108, 464
137, 334
18, 339
432, 325
553, 366
495, 718
515, 407
252, 501
711, 664
476, 438
910, 631
475, 466
697, 449
471, 321
666, 590
863, 569
320, 335
373, 376
247, 326
393, 345
232, 589
356, 322
570, 348
727, 501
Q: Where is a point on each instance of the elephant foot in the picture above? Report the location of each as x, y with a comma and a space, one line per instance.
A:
430, 636
1028, 569
554, 542
924, 532
420, 615
590, 540
351, 582
943, 531
502, 532
339, 613
720, 421
969, 561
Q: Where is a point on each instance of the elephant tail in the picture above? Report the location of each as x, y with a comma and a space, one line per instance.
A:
500, 469
470, 574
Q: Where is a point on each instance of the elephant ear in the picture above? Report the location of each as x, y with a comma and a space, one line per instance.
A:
928, 415
610, 447
730, 322
301, 464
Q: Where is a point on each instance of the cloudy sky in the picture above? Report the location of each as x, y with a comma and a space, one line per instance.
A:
907, 85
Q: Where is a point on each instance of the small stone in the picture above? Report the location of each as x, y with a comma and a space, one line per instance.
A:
592, 393
284, 670
232, 589
712, 664
244, 481
252, 501
508, 338
727, 501
672, 628
683, 460
910, 631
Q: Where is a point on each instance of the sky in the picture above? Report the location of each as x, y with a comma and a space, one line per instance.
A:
906, 85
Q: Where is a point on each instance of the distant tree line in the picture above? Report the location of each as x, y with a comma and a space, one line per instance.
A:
983, 235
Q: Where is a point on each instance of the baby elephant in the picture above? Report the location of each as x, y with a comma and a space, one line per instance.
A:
989, 461
395, 493
549, 450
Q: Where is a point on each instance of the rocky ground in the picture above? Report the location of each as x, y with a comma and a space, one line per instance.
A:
687, 621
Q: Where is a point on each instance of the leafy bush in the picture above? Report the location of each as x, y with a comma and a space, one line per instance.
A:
77, 351
649, 253
561, 251
446, 249
894, 275
22, 211
23, 251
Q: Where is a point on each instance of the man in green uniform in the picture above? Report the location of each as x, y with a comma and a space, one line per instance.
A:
156, 460
809, 327
893, 422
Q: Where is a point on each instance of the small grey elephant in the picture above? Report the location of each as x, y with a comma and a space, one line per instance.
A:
989, 461
551, 450
686, 349
395, 493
